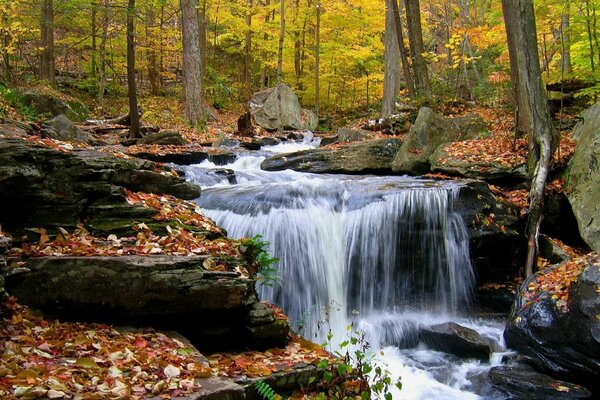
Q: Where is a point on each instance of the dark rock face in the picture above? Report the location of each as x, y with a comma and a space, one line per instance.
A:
189, 157
458, 340
164, 291
345, 135
430, 131
45, 187
522, 383
494, 228
566, 343
368, 157
583, 179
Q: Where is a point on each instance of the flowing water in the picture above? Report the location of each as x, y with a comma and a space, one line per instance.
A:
387, 254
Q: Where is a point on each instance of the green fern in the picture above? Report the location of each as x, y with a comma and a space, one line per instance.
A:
265, 390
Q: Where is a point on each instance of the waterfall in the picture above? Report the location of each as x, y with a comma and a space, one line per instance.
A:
371, 244
392, 249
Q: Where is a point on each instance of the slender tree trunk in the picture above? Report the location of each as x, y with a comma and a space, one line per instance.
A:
565, 33
520, 24
408, 76
192, 79
153, 73
588, 21
94, 65
247, 51
102, 53
5, 56
281, 39
391, 77
47, 42
415, 38
297, 45
317, 56
263, 71
134, 129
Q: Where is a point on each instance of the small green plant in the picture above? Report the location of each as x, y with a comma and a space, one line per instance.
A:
256, 252
355, 373
266, 391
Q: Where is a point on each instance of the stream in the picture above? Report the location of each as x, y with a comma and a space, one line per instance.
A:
385, 254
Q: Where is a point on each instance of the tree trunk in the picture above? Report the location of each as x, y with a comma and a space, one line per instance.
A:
153, 72
391, 77
47, 42
102, 53
134, 129
5, 56
415, 38
529, 90
317, 56
192, 79
247, 51
263, 71
94, 66
565, 30
408, 77
281, 39
202, 25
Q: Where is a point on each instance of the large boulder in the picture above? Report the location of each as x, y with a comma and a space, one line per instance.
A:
167, 137
564, 340
367, 157
174, 292
43, 186
589, 123
582, 183
62, 128
277, 108
492, 171
458, 340
52, 105
429, 131
310, 120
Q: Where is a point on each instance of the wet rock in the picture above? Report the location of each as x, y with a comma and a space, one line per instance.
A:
521, 383
374, 156
164, 138
430, 131
582, 183
565, 342
458, 340
257, 143
189, 157
62, 128
276, 109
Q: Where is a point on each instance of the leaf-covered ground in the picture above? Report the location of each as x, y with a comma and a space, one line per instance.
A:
44, 358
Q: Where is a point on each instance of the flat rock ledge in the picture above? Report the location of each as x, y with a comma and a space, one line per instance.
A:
214, 309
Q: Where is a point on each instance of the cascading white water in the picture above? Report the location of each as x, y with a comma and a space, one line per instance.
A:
392, 248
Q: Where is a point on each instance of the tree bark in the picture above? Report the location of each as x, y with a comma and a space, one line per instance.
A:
153, 72
281, 39
94, 66
317, 56
192, 79
391, 77
47, 42
408, 76
102, 53
415, 38
529, 90
247, 51
202, 25
6, 38
565, 31
134, 128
